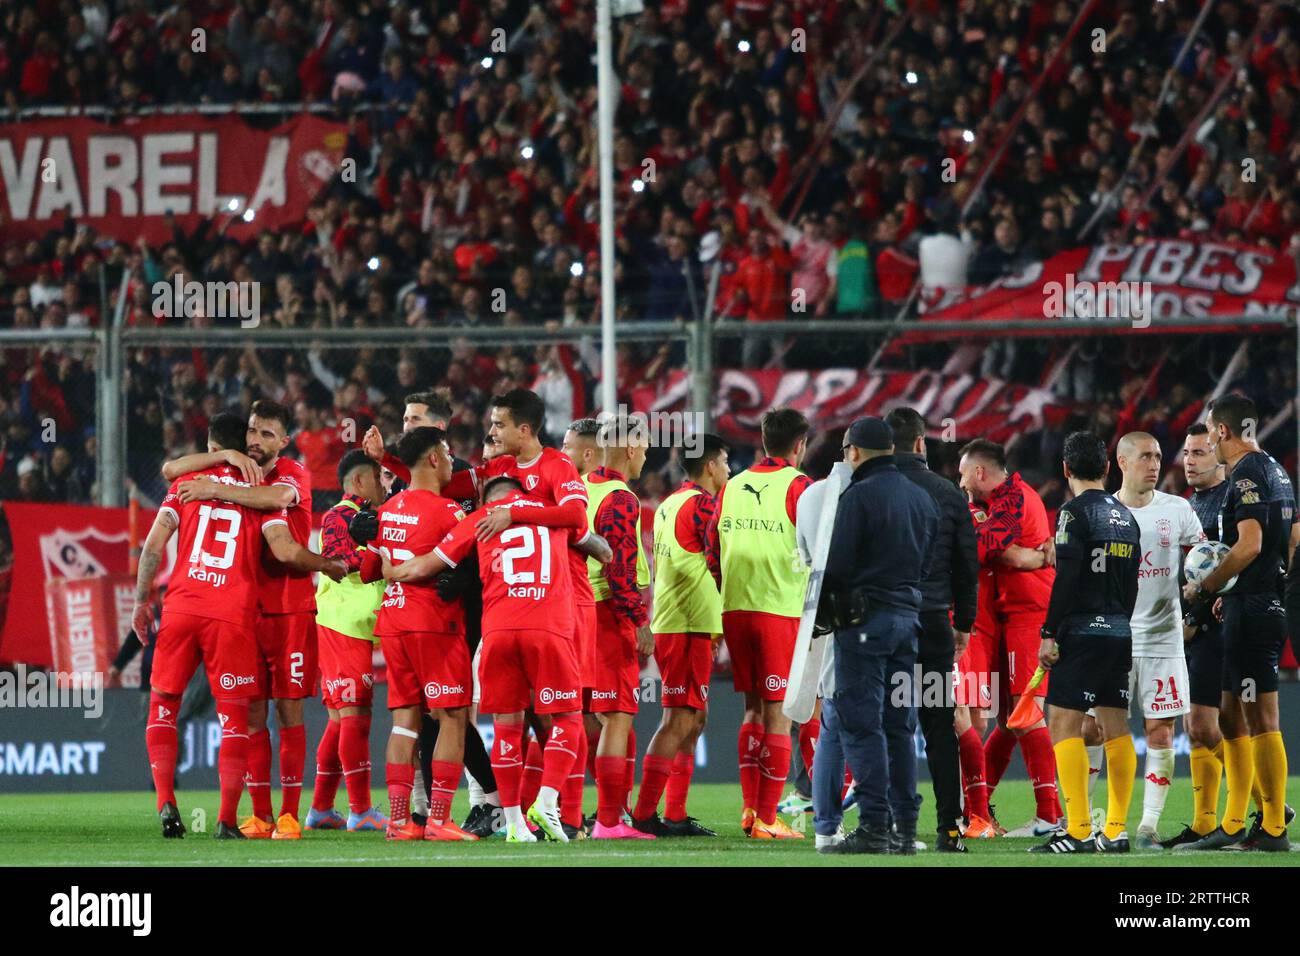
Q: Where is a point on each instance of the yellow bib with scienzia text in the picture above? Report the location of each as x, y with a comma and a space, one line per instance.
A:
686, 601
761, 566
597, 492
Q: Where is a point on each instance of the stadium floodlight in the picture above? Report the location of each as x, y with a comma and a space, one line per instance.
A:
638, 185
249, 215
968, 136
486, 62
373, 263
233, 205
575, 269
743, 46
911, 78
526, 151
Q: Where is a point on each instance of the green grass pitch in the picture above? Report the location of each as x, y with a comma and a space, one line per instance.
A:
120, 829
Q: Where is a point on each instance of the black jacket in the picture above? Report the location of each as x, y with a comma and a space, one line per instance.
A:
954, 563
884, 535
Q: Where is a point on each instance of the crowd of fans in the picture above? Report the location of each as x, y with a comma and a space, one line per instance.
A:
745, 139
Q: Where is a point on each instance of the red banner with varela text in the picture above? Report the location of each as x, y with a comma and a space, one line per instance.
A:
70, 594
121, 179
1172, 279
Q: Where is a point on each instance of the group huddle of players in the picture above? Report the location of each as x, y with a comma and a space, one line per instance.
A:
514, 589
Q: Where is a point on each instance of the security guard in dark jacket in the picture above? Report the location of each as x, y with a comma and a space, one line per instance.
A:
951, 584
885, 530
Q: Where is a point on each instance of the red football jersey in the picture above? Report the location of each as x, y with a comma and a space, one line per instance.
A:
526, 581
410, 524
218, 557
283, 589
552, 479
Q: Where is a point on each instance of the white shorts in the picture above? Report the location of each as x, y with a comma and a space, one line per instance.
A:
1160, 683
478, 688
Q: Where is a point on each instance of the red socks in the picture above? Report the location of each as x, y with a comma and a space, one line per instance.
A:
678, 785
611, 777
293, 758
160, 741
354, 754
631, 767
443, 777
655, 773
774, 767
561, 751
971, 751
997, 755
400, 777
531, 781
808, 734
749, 745
507, 765
329, 771
232, 761
1040, 758
571, 794
593, 743
258, 777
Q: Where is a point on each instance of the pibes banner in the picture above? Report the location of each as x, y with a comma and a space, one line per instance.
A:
122, 179
1155, 286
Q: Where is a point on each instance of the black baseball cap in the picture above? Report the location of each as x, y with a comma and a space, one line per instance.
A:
870, 434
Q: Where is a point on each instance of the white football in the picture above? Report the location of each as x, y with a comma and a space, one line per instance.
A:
1202, 559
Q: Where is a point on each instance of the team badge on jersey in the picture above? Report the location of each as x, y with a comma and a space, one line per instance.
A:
1165, 531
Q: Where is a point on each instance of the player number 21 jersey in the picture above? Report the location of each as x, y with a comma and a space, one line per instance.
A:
525, 572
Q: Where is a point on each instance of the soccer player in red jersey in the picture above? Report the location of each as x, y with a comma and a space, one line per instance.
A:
581, 445
423, 409
622, 618
972, 699
423, 639
529, 657
1015, 543
687, 621
549, 476
208, 614
286, 626
345, 627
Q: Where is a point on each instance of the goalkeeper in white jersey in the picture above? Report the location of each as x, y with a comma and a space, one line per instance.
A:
1158, 678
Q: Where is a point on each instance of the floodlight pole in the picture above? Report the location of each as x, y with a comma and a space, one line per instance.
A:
605, 90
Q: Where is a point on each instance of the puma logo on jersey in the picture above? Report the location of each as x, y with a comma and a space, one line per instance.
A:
756, 492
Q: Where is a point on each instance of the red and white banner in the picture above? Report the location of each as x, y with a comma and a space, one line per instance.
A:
70, 595
832, 398
1157, 284
121, 179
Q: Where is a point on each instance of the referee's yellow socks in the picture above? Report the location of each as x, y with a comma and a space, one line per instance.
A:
1206, 774
1072, 769
1239, 768
1270, 773
1121, 765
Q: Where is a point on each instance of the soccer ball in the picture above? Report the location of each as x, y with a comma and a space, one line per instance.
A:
1204, 558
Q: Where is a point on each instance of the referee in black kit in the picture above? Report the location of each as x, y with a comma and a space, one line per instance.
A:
950, 584
1259, 524
1088, 644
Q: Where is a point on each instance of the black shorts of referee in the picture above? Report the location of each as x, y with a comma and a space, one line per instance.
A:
1254, 630
1092, 670
1205, 665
